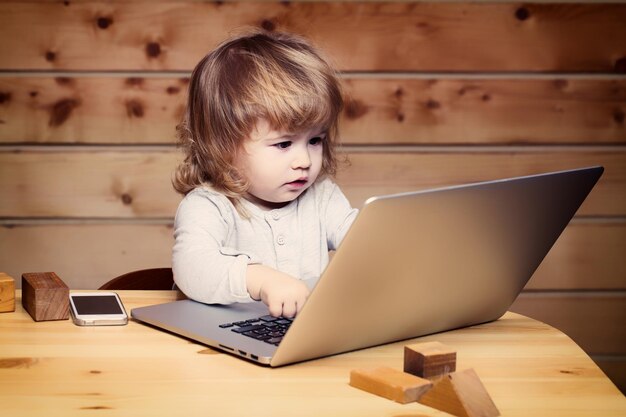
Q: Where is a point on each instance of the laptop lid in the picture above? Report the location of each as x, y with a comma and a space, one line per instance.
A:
411, 264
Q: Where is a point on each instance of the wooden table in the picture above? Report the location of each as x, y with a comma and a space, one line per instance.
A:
58, 369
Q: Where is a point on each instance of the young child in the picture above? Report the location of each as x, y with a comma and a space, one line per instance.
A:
260, 213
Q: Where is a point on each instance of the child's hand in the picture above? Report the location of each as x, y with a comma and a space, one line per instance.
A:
283, 294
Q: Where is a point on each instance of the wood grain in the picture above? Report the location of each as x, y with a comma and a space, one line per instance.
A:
7, 293
136, 183
484, 111
461, 394
109, 109
429, 360
477, 75
526, 366
390, 383
594, 320
99, 252
145, 110
586, 256
385, 173
614, 368
130, 184
45, 296
358, 36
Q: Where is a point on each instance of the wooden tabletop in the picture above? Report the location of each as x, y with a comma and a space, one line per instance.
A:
55, 368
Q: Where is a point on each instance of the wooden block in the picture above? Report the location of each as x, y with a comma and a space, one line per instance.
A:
460, 394
390, 383
45, 296
7, 293
429, 359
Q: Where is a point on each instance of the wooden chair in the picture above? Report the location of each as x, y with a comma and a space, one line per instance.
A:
144, 279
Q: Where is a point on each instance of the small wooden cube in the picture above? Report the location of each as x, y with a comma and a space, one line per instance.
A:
429, 359
390, 383
45, 296
7, 293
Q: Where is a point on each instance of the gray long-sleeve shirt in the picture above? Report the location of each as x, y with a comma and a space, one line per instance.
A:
214, 244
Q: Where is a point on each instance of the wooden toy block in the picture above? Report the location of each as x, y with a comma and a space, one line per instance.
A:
7, 293
45, 296
460, 394
429, 359
390, 383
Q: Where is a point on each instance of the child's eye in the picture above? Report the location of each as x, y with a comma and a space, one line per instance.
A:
317, 140
283, 145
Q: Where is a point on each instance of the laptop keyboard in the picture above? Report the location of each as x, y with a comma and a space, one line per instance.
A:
267, 328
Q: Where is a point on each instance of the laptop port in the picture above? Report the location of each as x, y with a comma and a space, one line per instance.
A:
242, 353
255, 357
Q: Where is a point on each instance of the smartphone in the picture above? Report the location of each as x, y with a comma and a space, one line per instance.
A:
97, 309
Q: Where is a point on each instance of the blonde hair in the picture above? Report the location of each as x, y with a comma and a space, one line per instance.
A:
274, 76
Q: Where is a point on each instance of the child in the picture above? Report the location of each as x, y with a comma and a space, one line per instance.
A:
259, 213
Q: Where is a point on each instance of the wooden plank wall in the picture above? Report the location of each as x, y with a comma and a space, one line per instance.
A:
437, 93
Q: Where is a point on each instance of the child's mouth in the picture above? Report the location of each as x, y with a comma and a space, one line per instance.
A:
298, 183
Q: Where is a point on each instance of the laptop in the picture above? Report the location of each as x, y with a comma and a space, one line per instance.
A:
412, 264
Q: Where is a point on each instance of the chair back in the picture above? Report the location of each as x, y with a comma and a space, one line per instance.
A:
144, 279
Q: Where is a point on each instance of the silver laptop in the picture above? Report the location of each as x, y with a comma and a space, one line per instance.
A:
412, 264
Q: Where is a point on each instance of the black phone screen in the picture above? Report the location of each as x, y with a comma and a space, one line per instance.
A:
90, 304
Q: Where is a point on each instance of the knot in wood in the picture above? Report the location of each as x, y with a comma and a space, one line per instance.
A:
522, 13
268, 25
126, 199
153, 49
104, 22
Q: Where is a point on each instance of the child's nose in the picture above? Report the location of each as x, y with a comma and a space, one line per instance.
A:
302, 159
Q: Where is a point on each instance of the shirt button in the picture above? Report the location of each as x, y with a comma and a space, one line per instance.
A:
275, 216
280, 240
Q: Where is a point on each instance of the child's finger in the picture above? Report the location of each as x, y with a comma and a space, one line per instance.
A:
289, 309
276, 308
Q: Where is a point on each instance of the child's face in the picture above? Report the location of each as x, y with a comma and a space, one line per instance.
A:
280, 166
